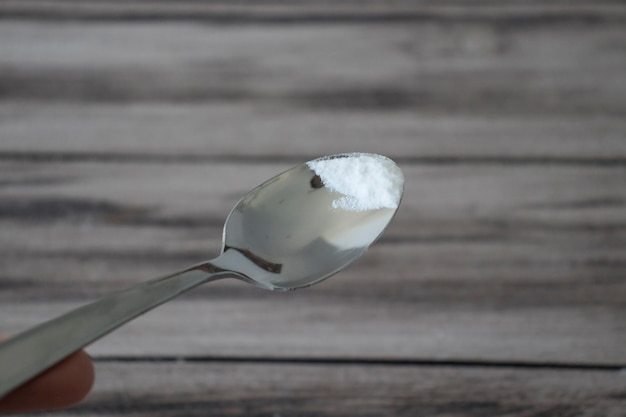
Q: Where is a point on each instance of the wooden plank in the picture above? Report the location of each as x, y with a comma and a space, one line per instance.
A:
476, 199
509, 263
468, 90
237, 389
222, 133
465, 67
563, 217
245, 322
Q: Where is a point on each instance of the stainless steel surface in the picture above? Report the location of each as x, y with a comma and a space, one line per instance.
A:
282, 235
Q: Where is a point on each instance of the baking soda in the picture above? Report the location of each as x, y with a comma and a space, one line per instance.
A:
366, 181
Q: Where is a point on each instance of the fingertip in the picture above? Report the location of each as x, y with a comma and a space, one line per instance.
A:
62, 386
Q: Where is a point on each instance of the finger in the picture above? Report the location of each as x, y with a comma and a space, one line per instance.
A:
61, 386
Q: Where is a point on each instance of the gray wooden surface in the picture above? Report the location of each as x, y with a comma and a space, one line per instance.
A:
129, 129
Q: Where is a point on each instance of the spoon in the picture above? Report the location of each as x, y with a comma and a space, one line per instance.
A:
283, 235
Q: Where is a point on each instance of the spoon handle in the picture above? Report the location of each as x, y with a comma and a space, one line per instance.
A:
29, 353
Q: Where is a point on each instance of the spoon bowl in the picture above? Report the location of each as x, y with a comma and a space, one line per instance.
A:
285, 234
290, 232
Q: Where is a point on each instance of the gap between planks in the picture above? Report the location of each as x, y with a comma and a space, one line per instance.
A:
412, 362
195, 158
281, 13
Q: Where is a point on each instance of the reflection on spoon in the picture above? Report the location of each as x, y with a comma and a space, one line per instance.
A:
292, 231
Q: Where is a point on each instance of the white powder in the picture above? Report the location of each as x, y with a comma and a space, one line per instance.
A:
367, 181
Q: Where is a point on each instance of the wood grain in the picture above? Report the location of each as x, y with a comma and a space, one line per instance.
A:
128, 130
463, 67
225, 133
229, 389
524, 264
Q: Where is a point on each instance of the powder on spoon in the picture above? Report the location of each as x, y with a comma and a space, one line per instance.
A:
367, 181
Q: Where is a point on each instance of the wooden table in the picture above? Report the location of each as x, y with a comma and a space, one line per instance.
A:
129, 129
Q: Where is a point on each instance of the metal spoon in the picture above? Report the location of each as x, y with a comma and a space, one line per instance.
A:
282, 235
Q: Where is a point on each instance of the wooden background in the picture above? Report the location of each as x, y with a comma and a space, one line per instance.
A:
129, 129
